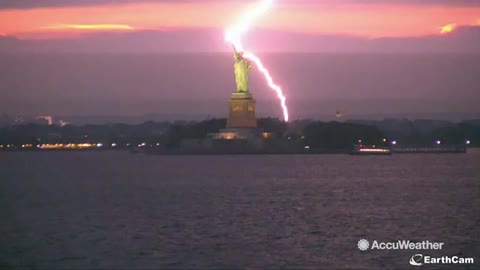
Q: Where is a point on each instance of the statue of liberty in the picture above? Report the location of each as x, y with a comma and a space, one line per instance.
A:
242, 67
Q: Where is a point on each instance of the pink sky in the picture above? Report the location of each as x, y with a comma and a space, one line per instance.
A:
382, 19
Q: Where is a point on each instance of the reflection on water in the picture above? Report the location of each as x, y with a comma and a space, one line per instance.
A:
117, 210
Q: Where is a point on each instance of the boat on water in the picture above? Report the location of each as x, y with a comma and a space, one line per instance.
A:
365, 150
433, 149
419, 149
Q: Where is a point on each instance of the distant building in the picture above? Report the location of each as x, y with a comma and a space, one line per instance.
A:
49, 119
338, 115
19, 120
63, 123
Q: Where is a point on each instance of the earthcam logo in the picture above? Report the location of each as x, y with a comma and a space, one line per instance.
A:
420, 259
416, 260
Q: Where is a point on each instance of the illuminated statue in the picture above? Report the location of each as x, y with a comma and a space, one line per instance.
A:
242, 67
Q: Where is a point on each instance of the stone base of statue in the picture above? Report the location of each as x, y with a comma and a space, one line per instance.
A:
241, 111
241, 135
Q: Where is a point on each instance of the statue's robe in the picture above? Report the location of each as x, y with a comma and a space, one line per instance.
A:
242, 67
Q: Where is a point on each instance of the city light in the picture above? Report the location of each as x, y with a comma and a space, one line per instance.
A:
59, 146
438, 142
85, 145
374, 150
394, 142
467, 142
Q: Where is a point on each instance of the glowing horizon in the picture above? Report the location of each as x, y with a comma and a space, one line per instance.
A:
100, 27
448, 28
350, 18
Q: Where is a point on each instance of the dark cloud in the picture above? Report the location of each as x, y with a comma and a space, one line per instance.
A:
185, 40
463, 39
25, 4
428, 74
420, 2
200, 84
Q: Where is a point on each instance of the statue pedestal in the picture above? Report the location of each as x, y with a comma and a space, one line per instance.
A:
242, 111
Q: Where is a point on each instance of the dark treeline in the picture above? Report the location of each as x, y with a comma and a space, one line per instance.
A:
327, 135
337, 135
424, 132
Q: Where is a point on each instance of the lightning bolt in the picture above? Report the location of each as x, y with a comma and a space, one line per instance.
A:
234, 36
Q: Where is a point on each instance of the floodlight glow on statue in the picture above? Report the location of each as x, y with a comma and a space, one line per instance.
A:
242, 59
